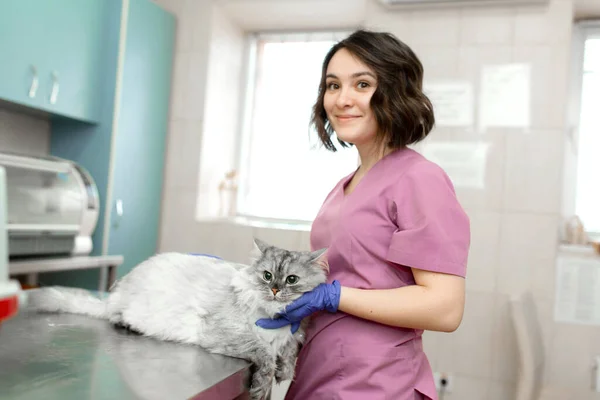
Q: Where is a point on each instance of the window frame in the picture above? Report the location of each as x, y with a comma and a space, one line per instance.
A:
582, 31
249, 79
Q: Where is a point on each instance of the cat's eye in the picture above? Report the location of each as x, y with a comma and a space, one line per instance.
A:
291, 280
267, 276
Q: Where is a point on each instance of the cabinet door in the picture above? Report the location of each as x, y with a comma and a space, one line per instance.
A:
73, 49
56, 47
21, 52
142, 126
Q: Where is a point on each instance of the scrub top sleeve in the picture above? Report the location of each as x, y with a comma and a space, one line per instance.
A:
433, 230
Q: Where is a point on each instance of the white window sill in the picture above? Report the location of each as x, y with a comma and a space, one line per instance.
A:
265, 223
577, 250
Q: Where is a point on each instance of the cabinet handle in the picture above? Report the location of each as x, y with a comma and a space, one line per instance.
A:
34, 82
119, 207
116, 221
55, 87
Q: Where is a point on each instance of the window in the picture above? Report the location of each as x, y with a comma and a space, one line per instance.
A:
587, 198
284, 172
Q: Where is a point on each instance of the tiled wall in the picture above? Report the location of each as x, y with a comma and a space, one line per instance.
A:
23, 133
515, 217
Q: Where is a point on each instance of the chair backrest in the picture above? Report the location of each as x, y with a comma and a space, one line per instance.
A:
530, 346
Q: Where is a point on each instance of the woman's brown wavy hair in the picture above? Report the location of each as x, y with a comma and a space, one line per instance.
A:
403, 112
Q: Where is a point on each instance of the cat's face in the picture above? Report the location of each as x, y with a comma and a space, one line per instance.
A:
283, 275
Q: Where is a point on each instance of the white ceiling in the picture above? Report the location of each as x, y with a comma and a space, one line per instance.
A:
584, 9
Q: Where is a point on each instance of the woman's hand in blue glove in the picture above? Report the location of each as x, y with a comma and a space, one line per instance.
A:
326, 296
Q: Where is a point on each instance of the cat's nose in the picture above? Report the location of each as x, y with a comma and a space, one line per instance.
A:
274, 290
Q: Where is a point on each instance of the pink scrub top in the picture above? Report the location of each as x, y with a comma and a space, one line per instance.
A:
402, 214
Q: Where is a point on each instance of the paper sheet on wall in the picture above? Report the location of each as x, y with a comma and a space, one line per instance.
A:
452, 102
505, 96
577, 297
464, 162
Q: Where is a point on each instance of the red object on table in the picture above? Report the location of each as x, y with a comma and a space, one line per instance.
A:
8, 307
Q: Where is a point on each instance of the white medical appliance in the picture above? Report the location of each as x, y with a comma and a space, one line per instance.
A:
52, 206
11, 295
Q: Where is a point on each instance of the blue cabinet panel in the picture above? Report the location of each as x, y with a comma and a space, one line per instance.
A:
142, 128
90, 144
125, 158
72, 70
50, 55
20, 56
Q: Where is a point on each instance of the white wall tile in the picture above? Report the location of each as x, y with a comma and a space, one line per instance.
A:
176, 231
545, 314
505, 356
439, 62
544, 24
304, 241
173, 6
231, 241
191, 14
474, 58
474, 337
555, 392
443, 354
549, 75
534, 172
303, 15
182, 157
181, 68
431, 346
571, 357
195, 90
220, 129
468, 388
436, 27
286, 239
489, 26
527, 241
501, 391
484, 253
380, 19
489, 197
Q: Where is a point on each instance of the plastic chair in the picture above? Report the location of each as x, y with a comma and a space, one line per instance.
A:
530, 346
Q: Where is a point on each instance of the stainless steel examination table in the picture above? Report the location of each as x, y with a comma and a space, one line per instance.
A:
48, 356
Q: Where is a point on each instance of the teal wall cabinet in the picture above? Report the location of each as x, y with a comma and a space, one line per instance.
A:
50, 55
124, 150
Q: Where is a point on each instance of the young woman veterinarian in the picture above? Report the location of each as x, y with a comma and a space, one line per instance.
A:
397, 237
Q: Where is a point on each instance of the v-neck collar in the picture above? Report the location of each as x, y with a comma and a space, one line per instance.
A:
378, 164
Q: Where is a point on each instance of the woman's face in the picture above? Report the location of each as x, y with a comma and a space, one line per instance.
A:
350, 84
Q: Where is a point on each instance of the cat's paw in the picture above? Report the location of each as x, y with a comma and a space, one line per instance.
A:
259, 393
262, 381
284, 372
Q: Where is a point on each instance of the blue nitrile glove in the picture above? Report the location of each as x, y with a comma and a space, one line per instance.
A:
205, 255
326, 296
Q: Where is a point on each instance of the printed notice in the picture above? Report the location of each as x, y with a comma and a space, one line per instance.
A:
464, 162
577, 298
505, 96
452, 102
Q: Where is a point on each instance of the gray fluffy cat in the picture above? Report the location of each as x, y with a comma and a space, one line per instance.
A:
207, 302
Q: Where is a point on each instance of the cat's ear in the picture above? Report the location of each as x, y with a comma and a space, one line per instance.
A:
260, 246
319, 257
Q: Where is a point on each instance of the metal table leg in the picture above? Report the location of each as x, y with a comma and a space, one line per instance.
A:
112, 276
